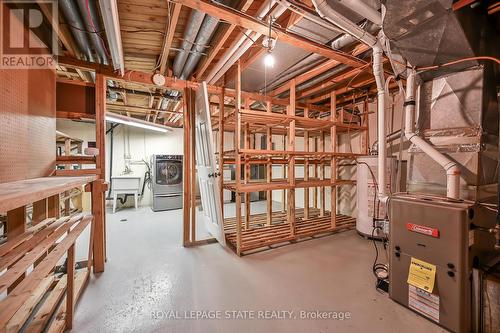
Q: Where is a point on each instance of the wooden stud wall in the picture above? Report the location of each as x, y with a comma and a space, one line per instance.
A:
246, 232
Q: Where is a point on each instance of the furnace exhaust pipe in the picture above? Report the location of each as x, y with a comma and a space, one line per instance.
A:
325, 11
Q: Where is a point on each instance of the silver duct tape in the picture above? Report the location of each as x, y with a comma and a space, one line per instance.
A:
452, 148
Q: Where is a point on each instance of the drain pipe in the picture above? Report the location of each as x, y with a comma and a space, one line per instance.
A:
325, 11
451, 167
378, 72
363, 9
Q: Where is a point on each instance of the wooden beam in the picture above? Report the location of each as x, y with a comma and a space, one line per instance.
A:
234, 17
220, 42
146, 79
317, 70
74, 82
136, 109
73, 115
167, 43
256, 54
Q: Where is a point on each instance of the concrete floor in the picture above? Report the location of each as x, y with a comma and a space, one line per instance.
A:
149, 276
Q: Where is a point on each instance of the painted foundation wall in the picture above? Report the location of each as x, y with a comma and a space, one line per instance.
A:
139, 144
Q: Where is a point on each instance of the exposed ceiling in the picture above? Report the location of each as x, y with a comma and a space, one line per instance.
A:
152, 35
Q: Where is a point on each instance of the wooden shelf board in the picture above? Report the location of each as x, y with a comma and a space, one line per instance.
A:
20, 193
261, 236
282, 184
76, 159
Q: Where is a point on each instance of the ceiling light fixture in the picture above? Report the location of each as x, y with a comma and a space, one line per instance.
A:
269, 60
269, 42
116, 118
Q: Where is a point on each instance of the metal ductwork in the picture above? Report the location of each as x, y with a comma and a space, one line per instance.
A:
193, 26
72, 16
347, 39
205, 34
203, 37
429, 32
457, 106
92, 21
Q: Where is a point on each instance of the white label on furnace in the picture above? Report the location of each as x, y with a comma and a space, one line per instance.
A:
471, 237
425, 303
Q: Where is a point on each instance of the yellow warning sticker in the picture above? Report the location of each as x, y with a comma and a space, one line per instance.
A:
422, 275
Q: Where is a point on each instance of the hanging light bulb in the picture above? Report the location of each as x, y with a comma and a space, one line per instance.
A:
269, 60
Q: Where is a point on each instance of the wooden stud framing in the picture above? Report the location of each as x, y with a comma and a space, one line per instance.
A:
291, 162
269, 168
322, 175
237, 142
221, 150
167, 43
306, 173
70, 289
187, 168
99, 242
333, 161
16, 221
39, 211
192, 115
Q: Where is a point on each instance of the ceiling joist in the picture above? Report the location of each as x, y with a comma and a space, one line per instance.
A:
235, 17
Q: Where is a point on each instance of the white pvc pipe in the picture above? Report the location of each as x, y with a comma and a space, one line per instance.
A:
378, 72
326, 12
358, 6
451, 167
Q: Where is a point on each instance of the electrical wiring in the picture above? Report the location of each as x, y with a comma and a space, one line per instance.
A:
454, 62
103, 44
379, 270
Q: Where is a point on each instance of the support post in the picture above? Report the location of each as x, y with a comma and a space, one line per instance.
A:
16, 221
237, 142
269, 171
192, 123
70, 287
187, 168
315, 175
306, 174
99, 234
291, 163
333, 161
39, 211
322, 176
221, 150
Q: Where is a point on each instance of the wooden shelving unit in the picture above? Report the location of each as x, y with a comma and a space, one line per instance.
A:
37, 298
282, 124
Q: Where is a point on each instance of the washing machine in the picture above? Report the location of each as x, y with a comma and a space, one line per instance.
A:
167, 182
